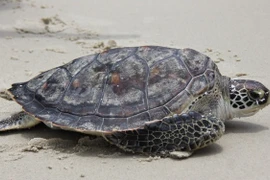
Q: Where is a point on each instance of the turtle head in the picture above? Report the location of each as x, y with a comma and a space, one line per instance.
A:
247, 97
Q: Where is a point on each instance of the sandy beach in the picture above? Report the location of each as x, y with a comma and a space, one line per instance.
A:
38, 35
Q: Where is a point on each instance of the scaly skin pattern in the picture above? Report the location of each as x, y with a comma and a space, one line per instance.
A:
186, 132
19, 120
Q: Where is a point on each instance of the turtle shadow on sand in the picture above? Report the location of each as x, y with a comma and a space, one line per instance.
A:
87, 145
68, 142
211, 150
42, 138
236, 126
78, 144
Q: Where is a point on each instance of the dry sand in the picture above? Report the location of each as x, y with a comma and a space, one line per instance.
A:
38, 35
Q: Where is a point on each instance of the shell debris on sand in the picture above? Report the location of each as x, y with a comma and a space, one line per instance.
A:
60, 50
240, 74
45, 25
84, 144
91, 144
149, 159
36, 144
215, 53
14, 58
101, 46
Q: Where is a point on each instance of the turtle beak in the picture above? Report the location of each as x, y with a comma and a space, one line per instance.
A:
265, 101
266, 95
268, 99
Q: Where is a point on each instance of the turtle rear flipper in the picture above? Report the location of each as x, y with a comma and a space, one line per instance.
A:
20, 120
185, 132
6, 95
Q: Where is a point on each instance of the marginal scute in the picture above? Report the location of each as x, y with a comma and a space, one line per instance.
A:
91, 122
167, 79
85, 90
114, 124
34, 107
158, 113
48, 114
180, 102
66, 119
198, 85
21, 93
138, 120
210, 77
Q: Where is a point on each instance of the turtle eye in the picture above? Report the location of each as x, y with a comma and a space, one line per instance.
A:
256, 94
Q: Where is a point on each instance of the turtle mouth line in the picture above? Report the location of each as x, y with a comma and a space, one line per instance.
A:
268, 102
248, 113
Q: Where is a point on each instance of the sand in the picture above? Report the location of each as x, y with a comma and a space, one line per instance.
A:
38, 35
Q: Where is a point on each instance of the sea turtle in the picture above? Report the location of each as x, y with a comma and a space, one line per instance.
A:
154, 100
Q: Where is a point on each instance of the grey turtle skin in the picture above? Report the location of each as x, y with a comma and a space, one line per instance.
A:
153, 100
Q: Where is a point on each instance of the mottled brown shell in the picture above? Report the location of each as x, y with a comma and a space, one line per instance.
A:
118, 89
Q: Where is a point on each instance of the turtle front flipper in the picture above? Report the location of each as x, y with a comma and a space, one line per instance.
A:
176, 136
20, 120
